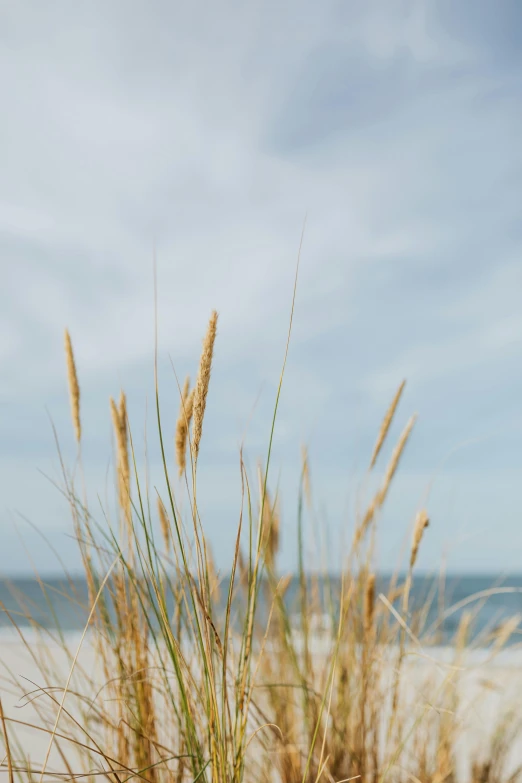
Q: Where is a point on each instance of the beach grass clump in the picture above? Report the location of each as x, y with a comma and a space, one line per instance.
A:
250, 674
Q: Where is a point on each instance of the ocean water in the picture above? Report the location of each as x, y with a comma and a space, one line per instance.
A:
491, 600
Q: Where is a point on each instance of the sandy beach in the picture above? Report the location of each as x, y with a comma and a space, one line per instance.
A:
486, 689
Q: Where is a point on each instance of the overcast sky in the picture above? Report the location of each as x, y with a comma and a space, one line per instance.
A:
209, 130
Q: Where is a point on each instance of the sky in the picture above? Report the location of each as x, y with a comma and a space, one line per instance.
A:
202, 134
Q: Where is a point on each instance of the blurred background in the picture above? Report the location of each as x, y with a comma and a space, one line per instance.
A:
201, 134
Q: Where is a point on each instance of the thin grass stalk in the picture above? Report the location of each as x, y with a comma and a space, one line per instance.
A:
303, 588
8, 756
421, 523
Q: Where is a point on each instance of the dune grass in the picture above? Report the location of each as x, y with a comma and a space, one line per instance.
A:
202, 677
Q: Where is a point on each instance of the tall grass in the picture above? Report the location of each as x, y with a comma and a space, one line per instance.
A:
226, 679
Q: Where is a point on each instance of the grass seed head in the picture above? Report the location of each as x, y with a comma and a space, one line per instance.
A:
182, 425
119, 421
369, 603
421, 523
395, 459
202, 383
74, 386
386, 423
165, 525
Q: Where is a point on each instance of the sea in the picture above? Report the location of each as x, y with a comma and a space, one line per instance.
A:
56, 602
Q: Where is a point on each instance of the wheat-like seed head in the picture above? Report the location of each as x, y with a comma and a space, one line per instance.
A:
421, 523
273, 535
119, 420
115, 416
186, 388
74, 386
202, 383
379, 498
271, 528
213, 578
242, 566
369, 603
269, 521
165, 525
122, 410
124, 456
182, 425
386, 423
307, 486
463, 631
395, 459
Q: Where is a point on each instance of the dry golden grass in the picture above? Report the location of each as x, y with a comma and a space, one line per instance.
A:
119, 421
182, 426
395, 459
202, 384
164, 525
380, 497
421, 523
226, 680
74, 387
369, 603
386, 423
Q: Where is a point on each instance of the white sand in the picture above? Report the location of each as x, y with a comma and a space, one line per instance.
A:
16, 658
486, 690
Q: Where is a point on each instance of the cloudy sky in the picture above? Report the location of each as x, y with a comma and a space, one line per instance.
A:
208, 131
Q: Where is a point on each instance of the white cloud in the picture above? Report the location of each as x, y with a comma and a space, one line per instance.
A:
210, 132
